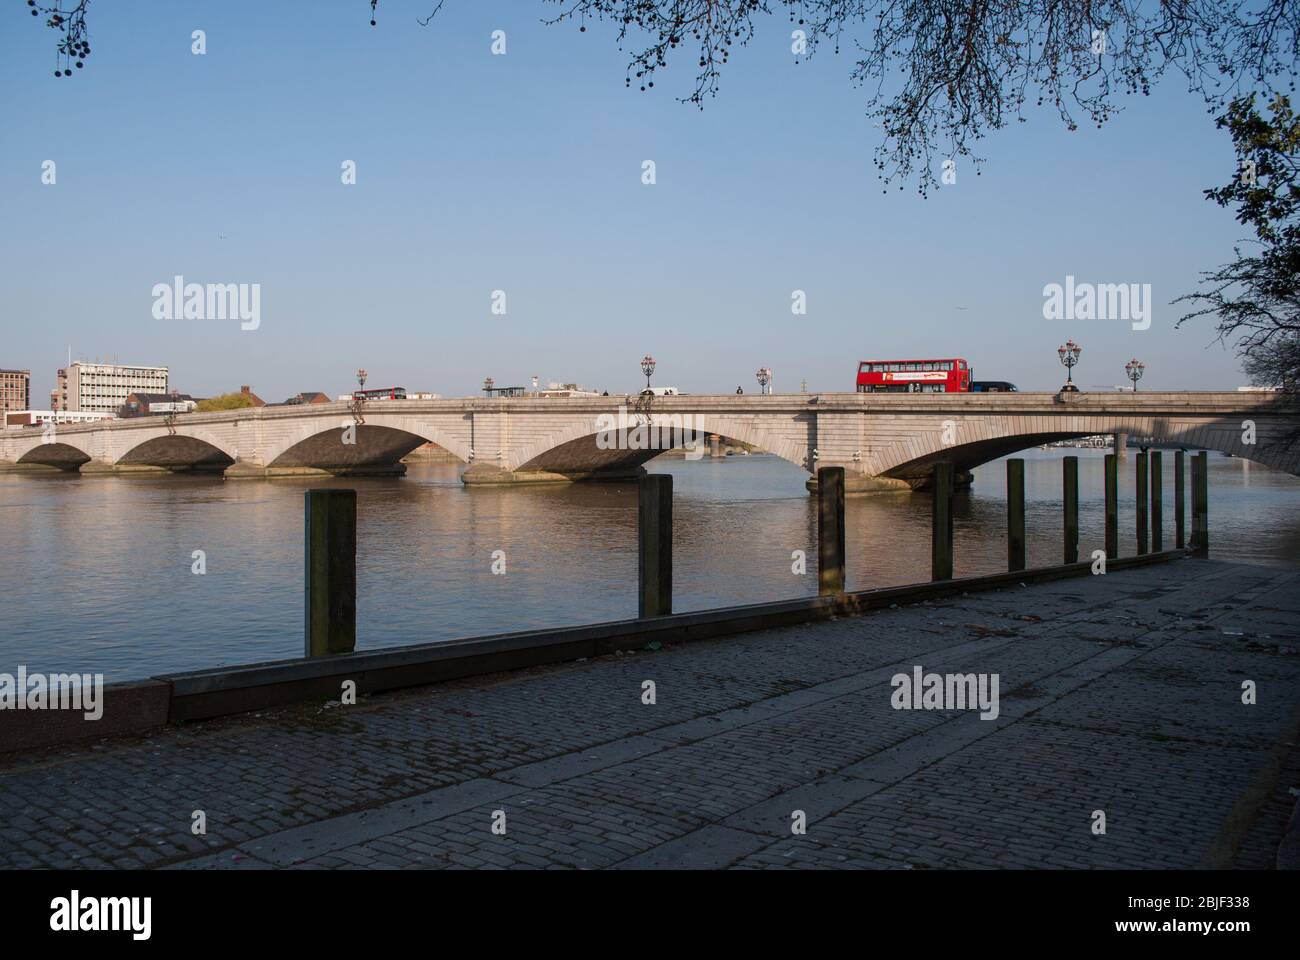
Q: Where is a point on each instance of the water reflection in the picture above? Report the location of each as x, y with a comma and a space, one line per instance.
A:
100, 568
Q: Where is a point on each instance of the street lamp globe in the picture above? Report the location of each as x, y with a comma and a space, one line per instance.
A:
647, 367
487, 385
361, 377
1069, 353
1135, 368
764, 376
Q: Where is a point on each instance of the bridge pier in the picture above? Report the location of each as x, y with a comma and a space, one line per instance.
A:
101, 468
9, 466
247, 470
857, 482
490, 475
1121, 445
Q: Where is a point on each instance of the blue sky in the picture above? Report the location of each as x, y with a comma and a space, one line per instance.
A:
523, 173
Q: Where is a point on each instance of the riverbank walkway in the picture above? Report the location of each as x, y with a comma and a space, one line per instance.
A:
1121, 694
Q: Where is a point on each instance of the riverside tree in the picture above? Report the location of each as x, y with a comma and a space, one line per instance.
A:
226, 401
1256, 297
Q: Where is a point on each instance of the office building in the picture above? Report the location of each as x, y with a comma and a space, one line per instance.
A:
104, 387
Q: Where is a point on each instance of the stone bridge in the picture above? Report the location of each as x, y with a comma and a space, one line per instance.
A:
883, 440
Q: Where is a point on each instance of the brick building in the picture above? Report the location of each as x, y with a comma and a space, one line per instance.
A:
15, 390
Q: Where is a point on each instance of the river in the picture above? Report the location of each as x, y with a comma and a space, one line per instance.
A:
99, 570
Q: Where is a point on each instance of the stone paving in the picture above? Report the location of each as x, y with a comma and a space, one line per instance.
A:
1118, 693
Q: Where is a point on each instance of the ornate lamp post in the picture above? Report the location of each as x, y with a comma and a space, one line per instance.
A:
358, 400
764, 378
647, 367
1069, 352
487, 386
1135, 368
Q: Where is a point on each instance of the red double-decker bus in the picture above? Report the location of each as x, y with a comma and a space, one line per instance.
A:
380, 393
914, 376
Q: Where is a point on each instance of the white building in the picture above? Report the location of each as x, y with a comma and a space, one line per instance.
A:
558, 390
33, 418
103, 387
174, 406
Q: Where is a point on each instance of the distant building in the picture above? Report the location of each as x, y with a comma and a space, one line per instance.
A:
59, 395
248, 392
310, 396
153, 404
104, 387
560, 390
15, 390
33, 418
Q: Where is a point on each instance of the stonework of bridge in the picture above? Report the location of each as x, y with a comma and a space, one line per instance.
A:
885, 441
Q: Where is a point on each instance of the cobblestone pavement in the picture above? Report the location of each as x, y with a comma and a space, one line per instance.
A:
1120, 693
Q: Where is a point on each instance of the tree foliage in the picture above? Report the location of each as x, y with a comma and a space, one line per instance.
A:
225, 401
1256, 297
940, 74
73, 46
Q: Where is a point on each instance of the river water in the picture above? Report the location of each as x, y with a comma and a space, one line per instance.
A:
99, 572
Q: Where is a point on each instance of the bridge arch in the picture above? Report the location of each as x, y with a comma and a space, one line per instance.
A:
975, 441
60, 454
574, 448
190, 450
380, 440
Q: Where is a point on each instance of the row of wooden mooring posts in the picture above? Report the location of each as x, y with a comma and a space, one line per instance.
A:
330, 610
1148, 495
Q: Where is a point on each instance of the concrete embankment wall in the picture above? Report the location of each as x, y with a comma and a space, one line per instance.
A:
140, 706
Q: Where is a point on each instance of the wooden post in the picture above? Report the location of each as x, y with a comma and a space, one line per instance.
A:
830, 530
1015, 514
1070, 495
941, 524
1200, 505
1157, 503
1180, 505
331, 572
1140, 502
1112, 507
655, 545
